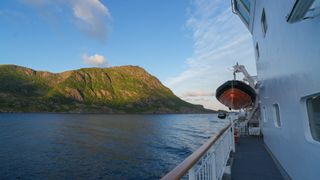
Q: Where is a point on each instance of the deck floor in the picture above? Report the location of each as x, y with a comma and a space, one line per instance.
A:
253, 162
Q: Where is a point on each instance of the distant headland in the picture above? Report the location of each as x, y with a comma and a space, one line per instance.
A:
122, 89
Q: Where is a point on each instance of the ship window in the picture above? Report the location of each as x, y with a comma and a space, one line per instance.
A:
314, 10
246, 4
241, 8
257, 51
313, 106
264, 22
303, 9
276, 115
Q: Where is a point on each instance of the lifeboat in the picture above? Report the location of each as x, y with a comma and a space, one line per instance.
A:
236, 94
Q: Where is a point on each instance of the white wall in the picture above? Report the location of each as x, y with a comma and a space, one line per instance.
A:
289, 69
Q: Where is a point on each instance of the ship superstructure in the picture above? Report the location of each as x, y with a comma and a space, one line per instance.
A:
286, 40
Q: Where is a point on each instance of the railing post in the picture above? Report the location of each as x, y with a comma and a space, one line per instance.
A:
192, 173
233, 146
213, 162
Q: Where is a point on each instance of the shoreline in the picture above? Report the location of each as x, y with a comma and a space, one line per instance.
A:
88, 113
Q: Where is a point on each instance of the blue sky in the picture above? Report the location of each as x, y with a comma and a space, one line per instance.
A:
188, 44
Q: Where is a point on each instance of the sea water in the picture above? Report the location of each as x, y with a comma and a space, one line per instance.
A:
99, 146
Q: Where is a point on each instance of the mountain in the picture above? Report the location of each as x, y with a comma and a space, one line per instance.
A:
123, 89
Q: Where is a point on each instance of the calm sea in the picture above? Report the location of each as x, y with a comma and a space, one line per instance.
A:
87, 146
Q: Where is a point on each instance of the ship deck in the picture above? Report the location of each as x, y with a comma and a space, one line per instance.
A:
252, 161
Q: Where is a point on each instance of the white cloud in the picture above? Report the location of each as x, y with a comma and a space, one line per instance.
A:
220, 40
197, 94
90, 16
95, 60
205, 101
86, 9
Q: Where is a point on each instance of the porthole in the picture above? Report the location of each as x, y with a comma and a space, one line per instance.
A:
257, 51
264, 23
276, 115
313, 107
264, 114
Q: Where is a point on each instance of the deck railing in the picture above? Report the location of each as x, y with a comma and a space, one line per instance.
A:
209, 161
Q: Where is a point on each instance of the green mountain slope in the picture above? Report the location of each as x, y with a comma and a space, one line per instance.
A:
124, 89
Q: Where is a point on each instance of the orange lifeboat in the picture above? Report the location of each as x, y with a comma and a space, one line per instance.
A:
236, 94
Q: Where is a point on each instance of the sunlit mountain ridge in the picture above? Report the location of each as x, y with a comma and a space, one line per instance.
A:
122, 89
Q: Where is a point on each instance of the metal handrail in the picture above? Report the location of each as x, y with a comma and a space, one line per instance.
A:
181, 170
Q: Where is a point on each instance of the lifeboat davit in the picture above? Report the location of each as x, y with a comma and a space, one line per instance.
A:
236, 94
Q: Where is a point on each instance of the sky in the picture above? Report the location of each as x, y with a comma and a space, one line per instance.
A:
189, 45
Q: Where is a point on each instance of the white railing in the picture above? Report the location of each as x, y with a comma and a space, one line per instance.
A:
209, 161
242, 128
254, 131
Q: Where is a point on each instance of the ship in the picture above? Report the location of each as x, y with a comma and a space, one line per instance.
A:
276, 134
